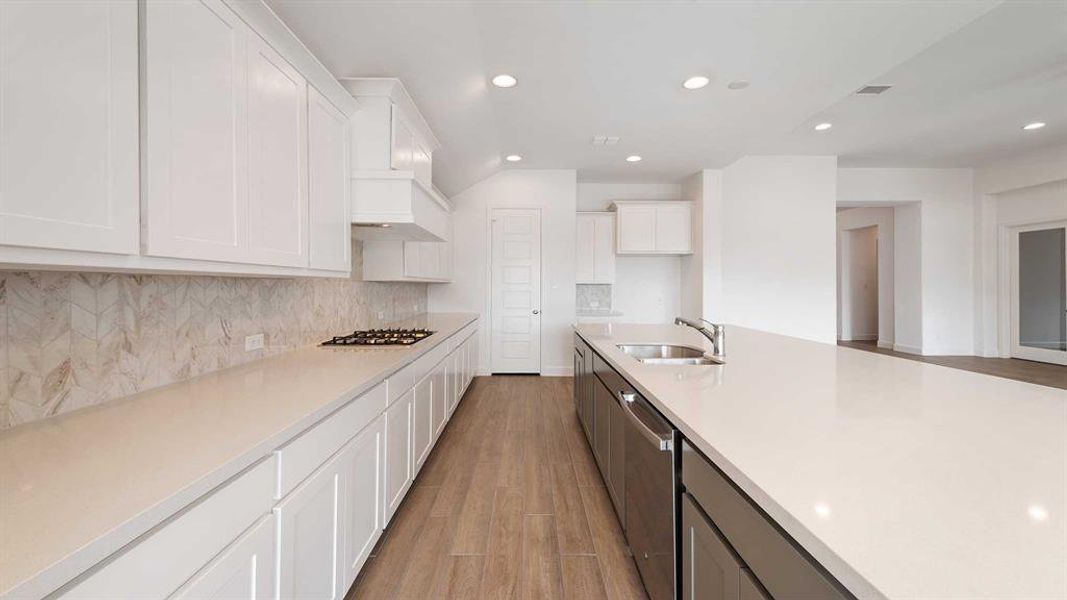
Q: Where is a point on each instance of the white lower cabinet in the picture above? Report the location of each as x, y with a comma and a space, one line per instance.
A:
328, 525
310, 535
245, 571
422, 423
440, 396
398, 463
363, 498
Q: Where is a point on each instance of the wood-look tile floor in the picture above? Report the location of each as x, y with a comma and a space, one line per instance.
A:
508, 505
1009, 368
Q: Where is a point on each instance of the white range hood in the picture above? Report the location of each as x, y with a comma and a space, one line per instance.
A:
392, 194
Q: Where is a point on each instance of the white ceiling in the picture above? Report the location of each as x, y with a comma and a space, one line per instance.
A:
967, 75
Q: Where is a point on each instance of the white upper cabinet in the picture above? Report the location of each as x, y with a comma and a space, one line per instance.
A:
595, 245
196, 151
330, 227
277, 182
656, 227
69, 125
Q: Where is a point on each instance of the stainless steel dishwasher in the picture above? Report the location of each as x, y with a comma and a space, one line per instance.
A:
650, 494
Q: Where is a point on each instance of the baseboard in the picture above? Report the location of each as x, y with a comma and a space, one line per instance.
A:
907, 349
865, 337
885, 344
557, 372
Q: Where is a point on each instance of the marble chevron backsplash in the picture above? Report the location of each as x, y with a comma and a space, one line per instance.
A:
69, 340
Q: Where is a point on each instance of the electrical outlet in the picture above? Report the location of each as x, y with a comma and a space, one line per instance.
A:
254, 342
381, 315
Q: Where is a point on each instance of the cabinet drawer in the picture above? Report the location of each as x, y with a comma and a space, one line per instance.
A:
783, 569
298, 458
162, 560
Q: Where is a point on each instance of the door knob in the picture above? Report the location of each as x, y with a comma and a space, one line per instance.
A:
536, 312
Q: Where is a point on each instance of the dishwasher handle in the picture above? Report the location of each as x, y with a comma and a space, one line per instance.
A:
664, 444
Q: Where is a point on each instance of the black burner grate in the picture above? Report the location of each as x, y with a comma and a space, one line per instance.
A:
380, 337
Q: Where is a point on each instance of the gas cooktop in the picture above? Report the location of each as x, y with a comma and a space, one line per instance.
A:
379, 337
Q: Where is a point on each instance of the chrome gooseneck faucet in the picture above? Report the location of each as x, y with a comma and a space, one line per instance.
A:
716, 334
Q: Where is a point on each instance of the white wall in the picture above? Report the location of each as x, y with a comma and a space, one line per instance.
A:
778, 231
907, 278
882, 219
555, 193
692, 267
648, 289
946, 201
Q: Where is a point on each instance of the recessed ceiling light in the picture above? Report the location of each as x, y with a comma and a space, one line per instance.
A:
505, 81
696, 82
513, 158
740, 84
823, 126
633, 158
1033, 126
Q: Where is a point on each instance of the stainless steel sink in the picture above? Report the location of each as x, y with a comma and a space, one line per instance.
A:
666, 354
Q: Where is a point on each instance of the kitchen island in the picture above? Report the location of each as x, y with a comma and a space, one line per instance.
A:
901, 479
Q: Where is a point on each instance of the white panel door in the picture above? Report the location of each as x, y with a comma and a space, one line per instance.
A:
398, 463
277, 154
244, 571
310, 535
636, 229
1039, 292
585, 249
329, 228
422, 423
69, 125
196, 147
516, 290
363, 497
673, 229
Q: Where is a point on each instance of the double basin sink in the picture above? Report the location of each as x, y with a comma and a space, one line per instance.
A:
667, 354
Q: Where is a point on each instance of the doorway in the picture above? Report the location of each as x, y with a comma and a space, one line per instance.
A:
1039, 292
515, 290
858, 292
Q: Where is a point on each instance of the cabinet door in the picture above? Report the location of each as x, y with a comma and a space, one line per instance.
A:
710, 570
413, 259
440, 397
585, 249
452, 384
69, 125
310, 535
362, 471
673, 229
402, 158
421, 428
579, 364
277, 153
330, 228
429, 258
636, 229
245, 571
398, 463
604, 249
601, 423
196, 149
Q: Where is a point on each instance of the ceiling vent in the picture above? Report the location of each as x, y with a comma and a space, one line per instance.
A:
605, 140
872, 90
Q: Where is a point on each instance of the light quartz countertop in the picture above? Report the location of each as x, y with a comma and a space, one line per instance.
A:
77, 487
903, 479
